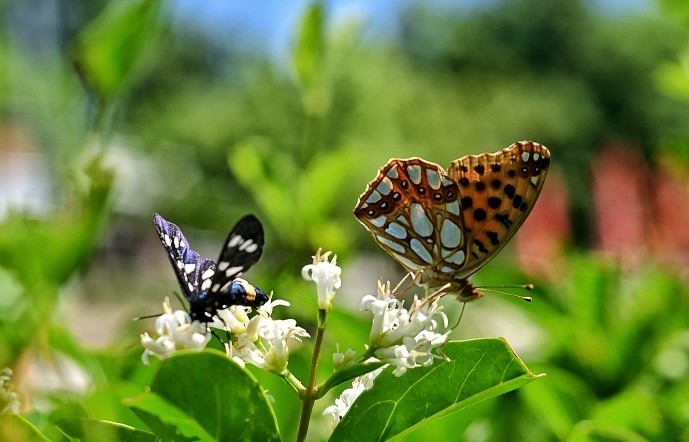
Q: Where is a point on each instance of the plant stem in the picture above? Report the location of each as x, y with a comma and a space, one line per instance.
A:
311, 392
294, 382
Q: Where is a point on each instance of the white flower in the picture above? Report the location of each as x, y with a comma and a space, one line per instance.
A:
401, 337
9, 402
341, 360
326, 275
176, 331
260, 340
349, 395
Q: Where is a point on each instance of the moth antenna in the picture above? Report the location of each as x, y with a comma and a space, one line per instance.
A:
181, 301
138, 318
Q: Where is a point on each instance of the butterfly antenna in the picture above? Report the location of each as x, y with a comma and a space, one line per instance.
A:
461, 314
524, 298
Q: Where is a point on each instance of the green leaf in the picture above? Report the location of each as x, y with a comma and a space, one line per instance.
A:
309, 48
94, 429
14, 427
478, 369
207, 396
111, 47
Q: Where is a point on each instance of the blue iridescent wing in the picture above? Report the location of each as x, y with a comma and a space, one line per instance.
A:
185, 261
243, 248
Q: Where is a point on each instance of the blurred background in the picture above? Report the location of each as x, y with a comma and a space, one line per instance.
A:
206, 111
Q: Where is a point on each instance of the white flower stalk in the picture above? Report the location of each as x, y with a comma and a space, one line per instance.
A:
9, 401
176, 331
401, 337
349, 395
326, 275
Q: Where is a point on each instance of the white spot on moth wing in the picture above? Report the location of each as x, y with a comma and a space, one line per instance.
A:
188, 268
536, 156
223, 265
453, 207
433, 178
168, 241
206, 284
393, 173
176, 242
391, 244
246, 244
233, 271
374, 197
236, 239
525, 156
414, 172
252, 248
379, 222
191, 286
180, 264
420, 250
419, 221
457, 258
215, 288
208, 273
396, 230
450, 234
385, 186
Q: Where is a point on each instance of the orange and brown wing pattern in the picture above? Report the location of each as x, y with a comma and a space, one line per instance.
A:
497, 192
412, 210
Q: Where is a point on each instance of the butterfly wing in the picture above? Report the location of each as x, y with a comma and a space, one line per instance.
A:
184, 260
243, 248
412, 210
497, 192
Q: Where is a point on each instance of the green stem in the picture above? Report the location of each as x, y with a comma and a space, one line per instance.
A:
294, 382
311, 393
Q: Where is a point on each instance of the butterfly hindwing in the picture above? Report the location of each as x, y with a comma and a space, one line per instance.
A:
242, 249
184, 260
497, 192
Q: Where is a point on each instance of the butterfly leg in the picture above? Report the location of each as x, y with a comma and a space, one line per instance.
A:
415, 277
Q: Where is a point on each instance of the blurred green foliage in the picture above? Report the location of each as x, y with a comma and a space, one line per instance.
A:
171, 119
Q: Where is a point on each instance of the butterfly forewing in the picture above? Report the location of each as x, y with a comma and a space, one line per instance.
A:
413, 212
243, 248
184, 260
497, 192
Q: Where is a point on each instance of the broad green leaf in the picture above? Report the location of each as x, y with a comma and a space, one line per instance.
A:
478, 369
13, 427
205, 395
94, 429
111, 47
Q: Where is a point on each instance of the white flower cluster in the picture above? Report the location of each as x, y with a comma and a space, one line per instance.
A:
9, 402
176, 331
348, 396
400, 337
326, 274
261, 340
